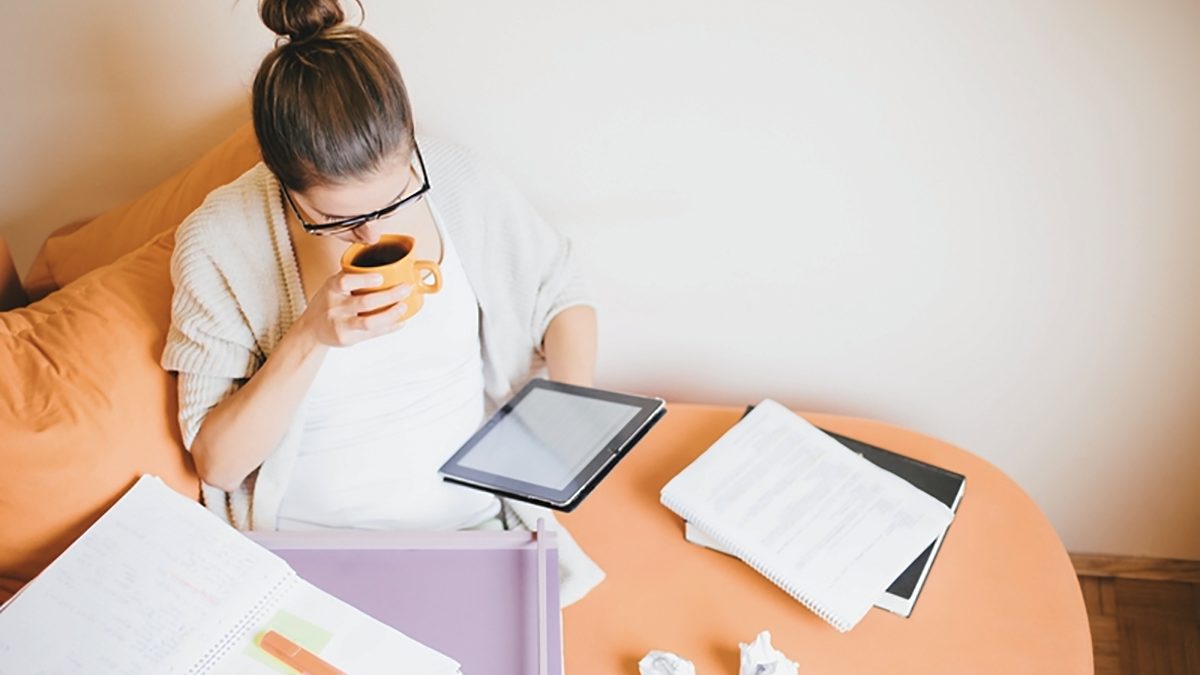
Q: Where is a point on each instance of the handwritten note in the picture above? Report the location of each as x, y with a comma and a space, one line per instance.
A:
150, 588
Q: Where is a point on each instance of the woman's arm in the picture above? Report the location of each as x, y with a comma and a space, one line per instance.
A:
239, 433
242, 431
569, 346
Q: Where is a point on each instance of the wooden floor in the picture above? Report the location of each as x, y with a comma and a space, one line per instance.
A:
1143, 626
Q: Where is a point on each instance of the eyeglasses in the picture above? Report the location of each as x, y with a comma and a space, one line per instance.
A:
347, 224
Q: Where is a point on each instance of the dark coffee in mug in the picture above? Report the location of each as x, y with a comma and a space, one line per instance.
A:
383, 253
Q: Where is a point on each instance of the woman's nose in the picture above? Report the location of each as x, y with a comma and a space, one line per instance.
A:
367, 234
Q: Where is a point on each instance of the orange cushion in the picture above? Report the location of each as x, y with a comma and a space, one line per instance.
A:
84, 407
67, 257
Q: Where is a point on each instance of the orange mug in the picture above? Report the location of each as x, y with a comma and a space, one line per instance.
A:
391, 257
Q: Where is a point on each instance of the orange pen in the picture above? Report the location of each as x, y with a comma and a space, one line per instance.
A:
295, 656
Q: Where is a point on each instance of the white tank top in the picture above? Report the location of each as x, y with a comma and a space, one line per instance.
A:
383, 415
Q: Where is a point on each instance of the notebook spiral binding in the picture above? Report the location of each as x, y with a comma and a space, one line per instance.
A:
254, 617
673, 504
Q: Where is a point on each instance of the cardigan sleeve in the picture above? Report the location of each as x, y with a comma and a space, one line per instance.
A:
545, 258
562, 283
209, 343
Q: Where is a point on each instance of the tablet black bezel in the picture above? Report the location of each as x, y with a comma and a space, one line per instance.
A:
649, 411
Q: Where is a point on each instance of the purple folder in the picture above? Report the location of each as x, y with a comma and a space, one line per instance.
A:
489, 600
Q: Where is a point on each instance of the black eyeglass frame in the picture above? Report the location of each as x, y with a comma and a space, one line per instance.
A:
347, 224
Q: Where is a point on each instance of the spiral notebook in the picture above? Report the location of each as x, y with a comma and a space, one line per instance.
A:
159, 585
945, 486
821, 522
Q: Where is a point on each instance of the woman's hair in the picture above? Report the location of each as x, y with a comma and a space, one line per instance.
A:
329, 104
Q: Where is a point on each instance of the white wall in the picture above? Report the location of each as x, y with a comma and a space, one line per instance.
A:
980, 222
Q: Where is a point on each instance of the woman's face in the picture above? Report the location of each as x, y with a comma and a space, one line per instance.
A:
329, 203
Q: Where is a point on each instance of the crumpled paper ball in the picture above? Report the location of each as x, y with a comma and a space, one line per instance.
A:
760, 658
665, 663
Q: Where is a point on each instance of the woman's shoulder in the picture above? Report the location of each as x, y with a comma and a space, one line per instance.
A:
467, 177
451, 164
229, 219
456, 164
442, 152
227, 261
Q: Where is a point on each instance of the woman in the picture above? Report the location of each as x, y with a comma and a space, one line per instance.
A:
300, 412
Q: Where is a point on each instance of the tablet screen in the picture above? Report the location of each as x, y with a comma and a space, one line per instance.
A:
548, 438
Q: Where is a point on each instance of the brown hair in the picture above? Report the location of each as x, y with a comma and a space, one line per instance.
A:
328, 102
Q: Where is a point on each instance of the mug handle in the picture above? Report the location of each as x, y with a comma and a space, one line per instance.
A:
428, 266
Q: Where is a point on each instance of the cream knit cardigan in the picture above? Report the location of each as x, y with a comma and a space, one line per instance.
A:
238, 291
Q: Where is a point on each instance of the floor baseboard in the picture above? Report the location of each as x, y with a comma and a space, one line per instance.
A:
1127, 567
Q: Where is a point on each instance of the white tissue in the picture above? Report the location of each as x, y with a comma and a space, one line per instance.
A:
760, 658
665, 663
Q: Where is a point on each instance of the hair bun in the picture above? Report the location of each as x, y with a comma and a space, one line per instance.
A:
299, 20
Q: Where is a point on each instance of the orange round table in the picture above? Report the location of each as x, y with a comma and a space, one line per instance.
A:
1002, 596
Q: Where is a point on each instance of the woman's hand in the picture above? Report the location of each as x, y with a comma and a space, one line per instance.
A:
333, 315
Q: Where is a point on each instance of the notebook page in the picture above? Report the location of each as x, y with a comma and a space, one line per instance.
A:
825, 524
150, 587
340, 634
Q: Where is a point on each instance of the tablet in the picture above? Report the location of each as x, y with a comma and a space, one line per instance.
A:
552, 443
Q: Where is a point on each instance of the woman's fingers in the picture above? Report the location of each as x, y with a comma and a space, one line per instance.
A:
378, 324
354, 313
347, 282
374, 300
